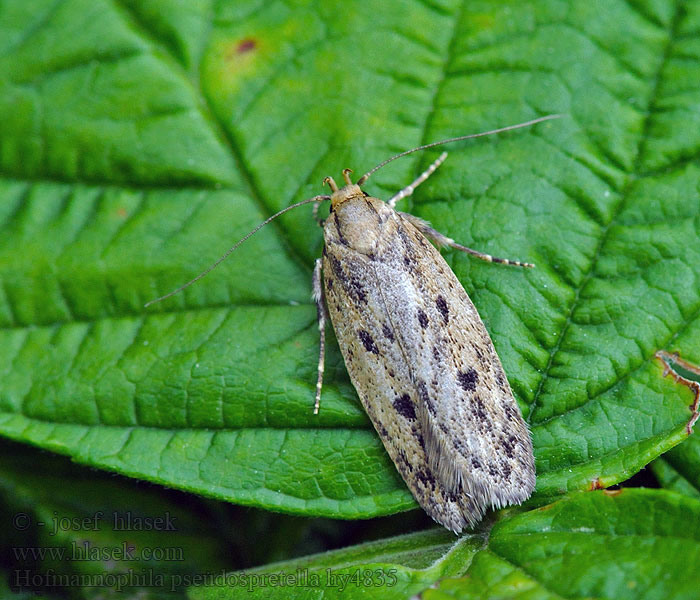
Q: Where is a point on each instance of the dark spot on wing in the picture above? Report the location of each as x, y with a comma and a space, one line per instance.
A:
424, 397
468, 379
511, 413
426, 478
478, 408
404, 406
436, 354
352, 284
441, 304
476, 464
422, 318
329, 283
367, 341
501, 381
508, 446
337, 268
403, 459
405, 238
388, 333
479, 355
358, 291
451, 496
506, 469
341, 237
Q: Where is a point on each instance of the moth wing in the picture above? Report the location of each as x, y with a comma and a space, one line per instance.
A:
476, 439
427, 374
383, 380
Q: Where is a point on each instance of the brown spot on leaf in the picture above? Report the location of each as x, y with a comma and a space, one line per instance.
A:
246, 45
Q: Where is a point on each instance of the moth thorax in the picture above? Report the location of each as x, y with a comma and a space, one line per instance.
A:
346, 192
358, 223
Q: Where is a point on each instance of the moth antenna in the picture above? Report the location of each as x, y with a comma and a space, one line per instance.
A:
367, 175
238, 243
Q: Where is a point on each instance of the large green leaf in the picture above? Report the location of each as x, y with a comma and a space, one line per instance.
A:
628, 544
140, 140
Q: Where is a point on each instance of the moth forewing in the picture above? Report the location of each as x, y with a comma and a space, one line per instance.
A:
423, 364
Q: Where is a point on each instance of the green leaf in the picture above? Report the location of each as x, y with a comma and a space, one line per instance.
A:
629, 544
391, 568
679, 469
140, 140
632, 543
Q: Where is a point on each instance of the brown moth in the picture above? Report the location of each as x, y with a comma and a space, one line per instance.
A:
417, 352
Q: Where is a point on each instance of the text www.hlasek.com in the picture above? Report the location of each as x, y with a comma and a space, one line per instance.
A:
85, 551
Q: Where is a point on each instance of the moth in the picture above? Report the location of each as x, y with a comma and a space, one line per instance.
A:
417, 352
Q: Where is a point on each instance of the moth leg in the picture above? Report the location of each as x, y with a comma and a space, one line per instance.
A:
409, 189
322, 316
442, 240
321, 222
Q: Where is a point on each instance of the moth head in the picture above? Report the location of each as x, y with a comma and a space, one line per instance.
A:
348, 191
